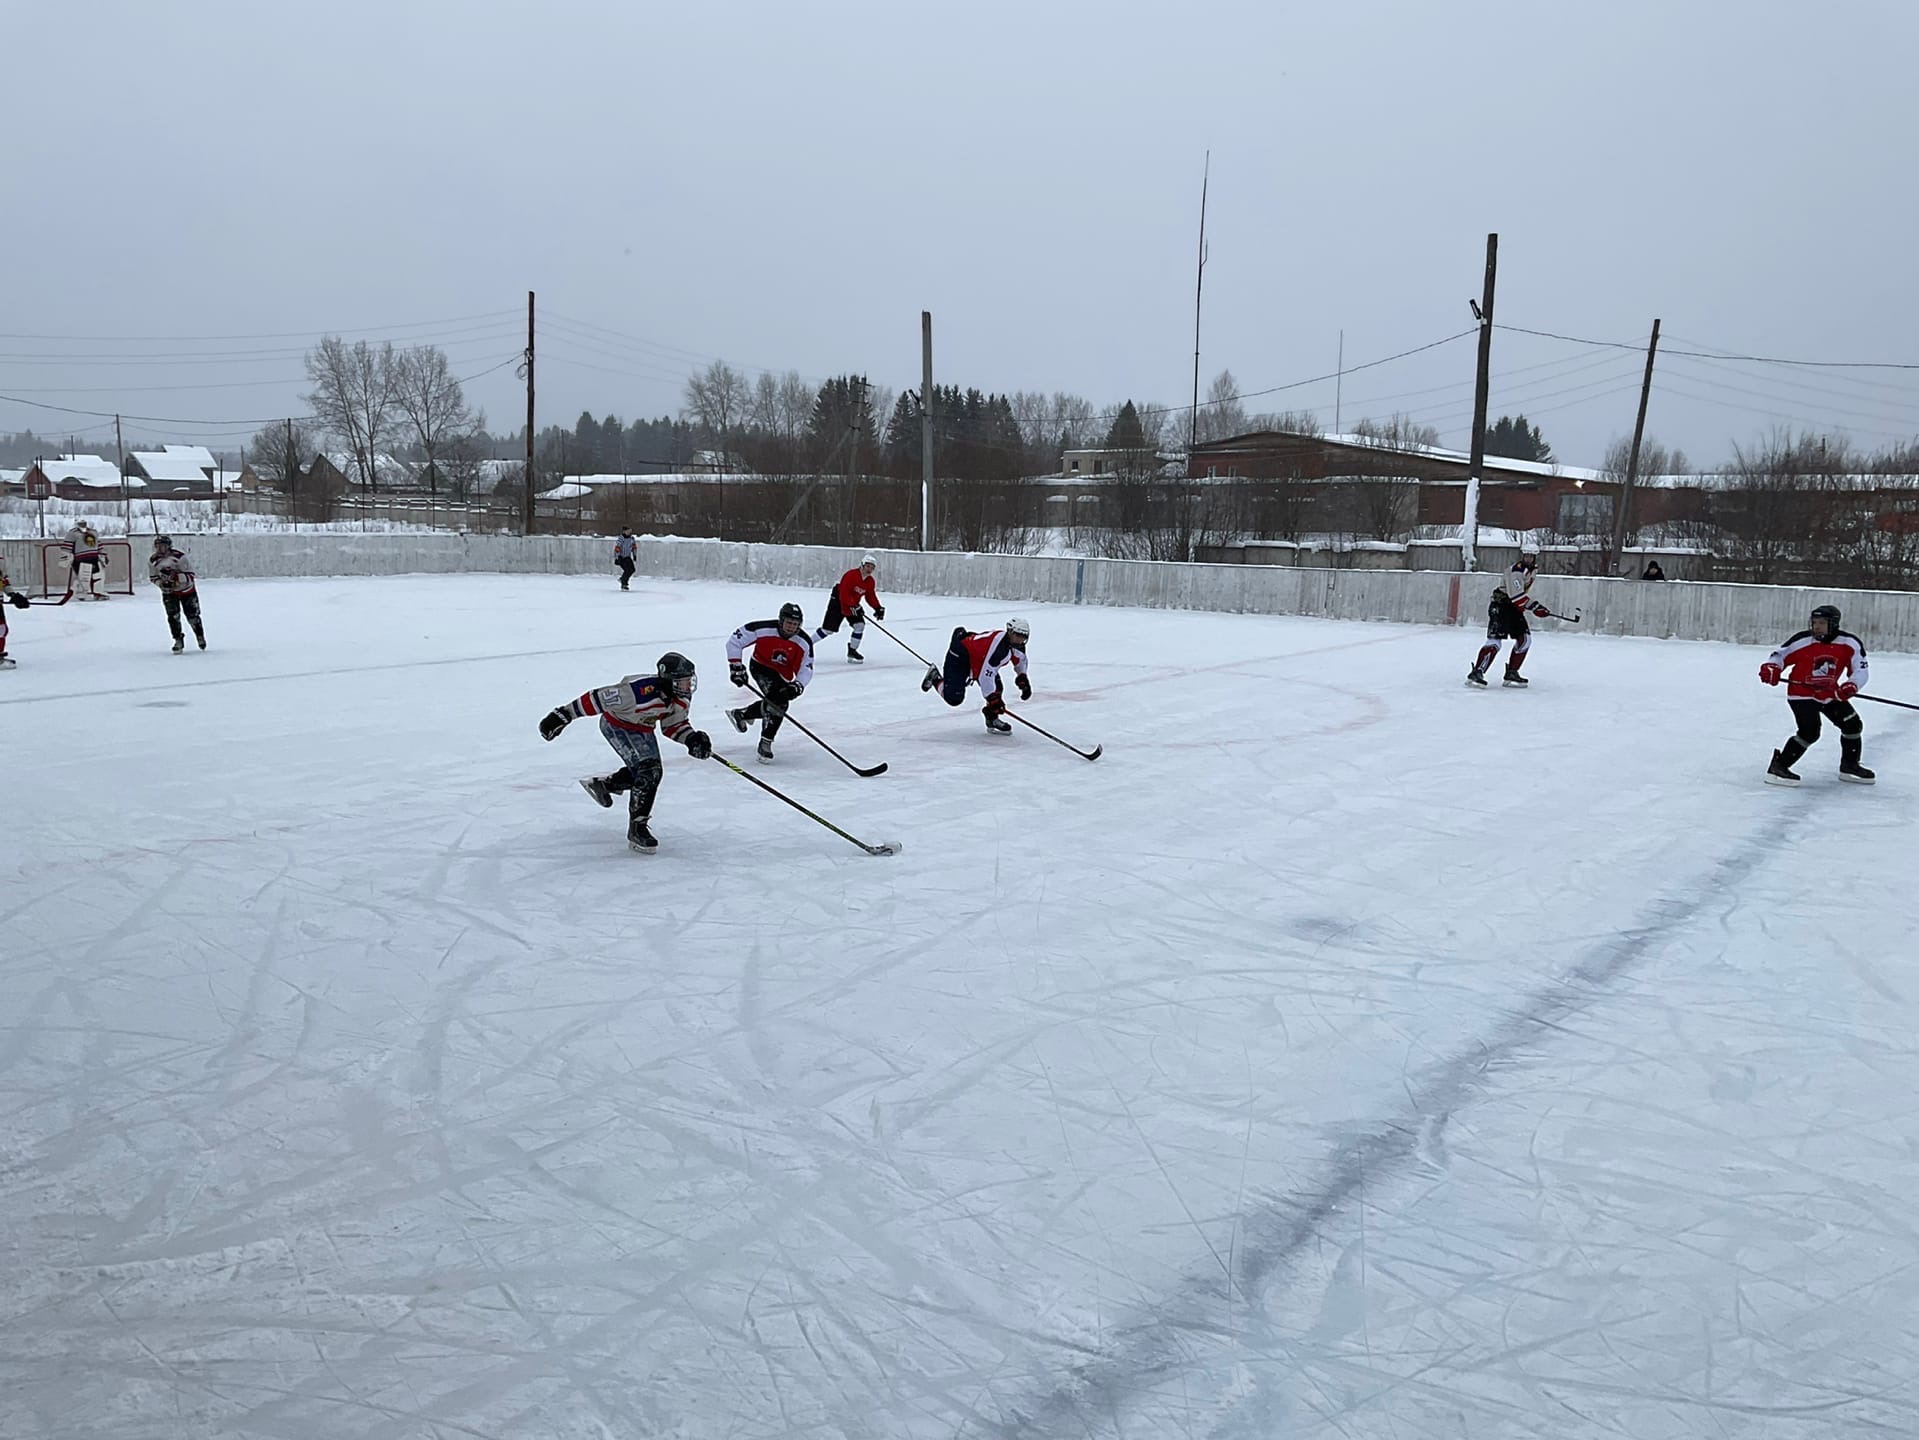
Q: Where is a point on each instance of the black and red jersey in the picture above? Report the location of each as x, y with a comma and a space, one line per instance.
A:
788, 656
1813, 666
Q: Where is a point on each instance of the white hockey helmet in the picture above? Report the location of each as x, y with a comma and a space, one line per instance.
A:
867, 562
1018, 629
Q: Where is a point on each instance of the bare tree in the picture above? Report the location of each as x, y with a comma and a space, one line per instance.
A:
427, 394
717, 399
279, 451
1384, 502
1221, 415
1776, 511
353, 398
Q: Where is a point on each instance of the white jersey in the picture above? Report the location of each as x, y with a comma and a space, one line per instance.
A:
85, 542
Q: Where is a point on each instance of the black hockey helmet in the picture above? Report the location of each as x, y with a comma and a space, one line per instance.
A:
790, 611
1829, 614
677, 673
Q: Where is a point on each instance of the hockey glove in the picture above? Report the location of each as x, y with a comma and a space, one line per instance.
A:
1025, 687
1770, 673
1541, 611
700, 745
1846, 690
553, 722
879, 611
736, 672
997, 705
17, 600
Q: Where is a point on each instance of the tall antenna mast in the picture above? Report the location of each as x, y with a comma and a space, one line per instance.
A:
1199, 289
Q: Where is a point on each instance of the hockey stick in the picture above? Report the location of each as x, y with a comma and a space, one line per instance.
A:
867, 773
1881, 700
899, 642
1572, 619
41, 600
1094, 754
890, 848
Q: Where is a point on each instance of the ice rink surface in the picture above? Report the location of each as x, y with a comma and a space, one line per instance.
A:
1346, 1053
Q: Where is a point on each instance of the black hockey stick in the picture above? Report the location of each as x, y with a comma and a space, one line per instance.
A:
1093, 754
867, 772
1882, 700
890, 848
42, 600
899, 642
1572, 619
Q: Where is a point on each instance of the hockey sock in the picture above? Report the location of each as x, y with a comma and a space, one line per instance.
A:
1792, 750
1487, 654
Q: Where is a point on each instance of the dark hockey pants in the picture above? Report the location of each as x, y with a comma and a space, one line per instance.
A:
187, 604
778, 693
958, 671
1807, 712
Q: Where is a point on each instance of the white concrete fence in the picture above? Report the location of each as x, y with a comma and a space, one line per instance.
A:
1745, 614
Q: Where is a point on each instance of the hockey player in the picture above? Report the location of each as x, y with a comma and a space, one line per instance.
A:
980, 658
169, 568
84, 541
843, 601
626, 550
1824, 667
8, 596
781, 666
1507, 619
628, 713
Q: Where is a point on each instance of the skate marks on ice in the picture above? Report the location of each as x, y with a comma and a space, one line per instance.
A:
1223, 1300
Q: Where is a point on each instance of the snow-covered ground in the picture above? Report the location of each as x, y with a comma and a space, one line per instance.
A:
1345, 1053
22, 520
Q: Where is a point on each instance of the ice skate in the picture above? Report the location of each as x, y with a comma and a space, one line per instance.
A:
179, 645
639, 838
766, 750
931, 679
738, 717
595, 785
1476, 678
1513, 677
997, 726
1857, 774
853, 657
7, 662
1779, 772
201, 638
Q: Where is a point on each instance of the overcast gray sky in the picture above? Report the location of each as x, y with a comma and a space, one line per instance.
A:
788, 185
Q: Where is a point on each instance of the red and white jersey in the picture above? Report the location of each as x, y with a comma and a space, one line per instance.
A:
85, 543
1519, 584
639, 702
171, 571
788, 656
855, 588
1814, 667
990, 652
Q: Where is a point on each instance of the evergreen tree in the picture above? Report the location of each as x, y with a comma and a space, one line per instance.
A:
1513, 439
1126, 433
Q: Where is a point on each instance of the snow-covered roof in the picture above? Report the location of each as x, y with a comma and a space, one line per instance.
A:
89, 470
600, 482
177, 462
571, 490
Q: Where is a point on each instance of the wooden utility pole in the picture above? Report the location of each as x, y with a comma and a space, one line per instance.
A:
527, 519
1469, 525
1632, 459
126, 491
1199, 290
926, 429
292, 477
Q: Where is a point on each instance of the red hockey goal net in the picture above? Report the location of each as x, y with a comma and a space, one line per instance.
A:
56, 569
